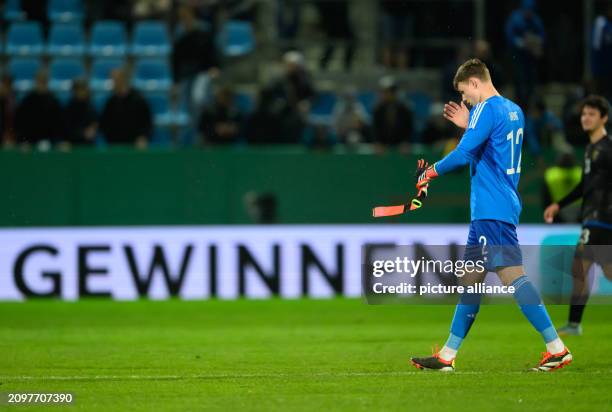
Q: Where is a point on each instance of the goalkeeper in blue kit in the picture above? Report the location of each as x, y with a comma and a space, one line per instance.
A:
491, 145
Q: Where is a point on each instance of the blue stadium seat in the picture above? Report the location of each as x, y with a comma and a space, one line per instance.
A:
180, 118
12, 11
322, 109
63, 71
150, 38
66, 40
108, 38
368, 99
152, 75
23, 70
163, 117
24, 39
99, 79
236, 38
159, 103
65, 10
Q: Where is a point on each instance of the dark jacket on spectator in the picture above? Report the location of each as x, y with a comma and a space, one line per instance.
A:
125, 118
294, 88
392, 123
79, 114
264, 125
194, 51
216, 116
7, 117
39, 117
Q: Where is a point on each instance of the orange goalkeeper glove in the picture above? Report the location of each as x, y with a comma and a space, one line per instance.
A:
424, 174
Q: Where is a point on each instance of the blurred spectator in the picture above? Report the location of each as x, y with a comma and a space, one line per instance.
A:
222, 122
393, 119
288, 18
296, 84
109, 10
207, 12
482, 51
245, 10
264, 124
262, 208
397, 27
151, 9
319, 136
81, 118
439, 132
335, 23
559, 180
571, 112
36, 10
351, 120
39, 115
462, 53
194, 61
126, 117
542, 127
292, 91
7, 110
601, 53
525, 36
194, 49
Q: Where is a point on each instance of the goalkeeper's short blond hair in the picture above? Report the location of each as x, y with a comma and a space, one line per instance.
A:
471, 68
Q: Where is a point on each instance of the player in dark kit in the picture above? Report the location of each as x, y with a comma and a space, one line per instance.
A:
595, 189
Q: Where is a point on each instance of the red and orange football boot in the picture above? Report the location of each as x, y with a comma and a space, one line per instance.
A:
434, 362
553, 361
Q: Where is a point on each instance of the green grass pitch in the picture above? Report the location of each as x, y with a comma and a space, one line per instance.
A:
337, 354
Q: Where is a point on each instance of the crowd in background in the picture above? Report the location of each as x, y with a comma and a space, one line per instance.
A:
283, 106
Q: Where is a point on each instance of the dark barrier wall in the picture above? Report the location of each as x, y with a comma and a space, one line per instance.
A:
128, 187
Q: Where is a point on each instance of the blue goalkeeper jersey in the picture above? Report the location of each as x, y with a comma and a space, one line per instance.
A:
491, 145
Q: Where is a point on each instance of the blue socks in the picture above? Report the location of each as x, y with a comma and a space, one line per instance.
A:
465, 314
531, 305
528, 300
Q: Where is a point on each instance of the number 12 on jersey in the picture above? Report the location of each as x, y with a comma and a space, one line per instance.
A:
513, 142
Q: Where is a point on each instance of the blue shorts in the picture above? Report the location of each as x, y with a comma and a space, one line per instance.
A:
495, 242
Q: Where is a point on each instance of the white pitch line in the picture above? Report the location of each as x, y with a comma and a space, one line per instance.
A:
214, 376
255, 375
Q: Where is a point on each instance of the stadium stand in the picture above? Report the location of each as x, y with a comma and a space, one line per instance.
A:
101, 69
236, 38
66, 40
152, 75
23, 70
108, 38
323, 108
62, 71
12, 11
24, 39
150, 38
65, 10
